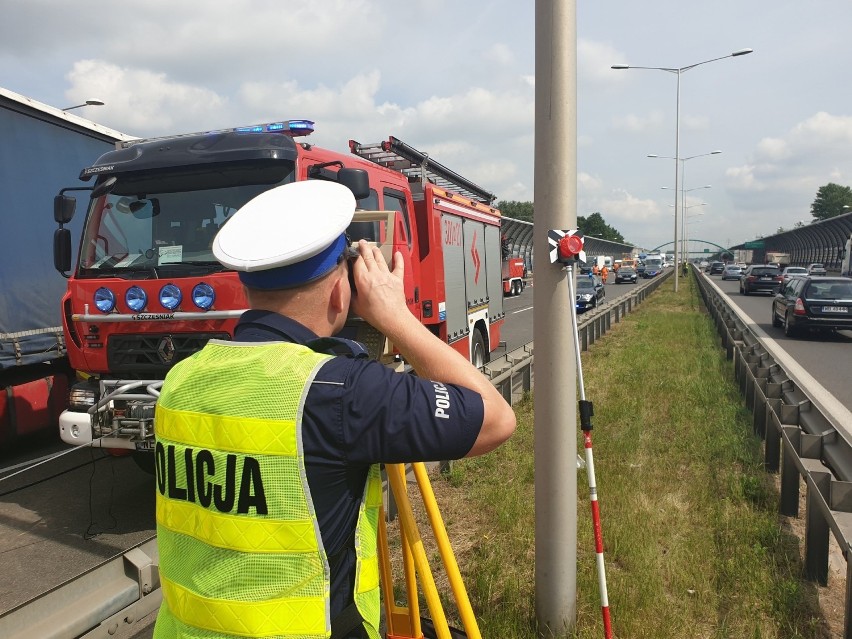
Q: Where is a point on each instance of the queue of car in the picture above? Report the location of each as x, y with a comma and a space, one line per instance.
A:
804, 299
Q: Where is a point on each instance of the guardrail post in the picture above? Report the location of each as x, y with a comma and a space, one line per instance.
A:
771, 436
816, 526
847, 622
789, 505
759, 410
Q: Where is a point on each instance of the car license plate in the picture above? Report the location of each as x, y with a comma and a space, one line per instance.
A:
835, 309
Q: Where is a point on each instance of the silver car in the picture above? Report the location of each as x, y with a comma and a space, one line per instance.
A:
732, 272
792, 271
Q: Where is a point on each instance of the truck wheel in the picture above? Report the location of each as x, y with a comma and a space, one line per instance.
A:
145, 461
478, 352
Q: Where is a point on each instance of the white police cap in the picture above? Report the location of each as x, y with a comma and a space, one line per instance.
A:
287, 236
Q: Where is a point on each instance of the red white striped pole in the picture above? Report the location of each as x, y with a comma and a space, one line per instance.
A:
567, 256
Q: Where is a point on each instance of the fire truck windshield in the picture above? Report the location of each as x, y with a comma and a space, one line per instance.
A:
158, 223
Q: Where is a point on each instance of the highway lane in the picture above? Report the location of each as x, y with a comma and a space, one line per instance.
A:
824, 357
518, 327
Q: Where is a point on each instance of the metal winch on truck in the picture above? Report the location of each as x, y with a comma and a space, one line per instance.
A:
147, 291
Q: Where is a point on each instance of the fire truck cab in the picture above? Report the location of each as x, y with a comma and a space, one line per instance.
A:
146, 290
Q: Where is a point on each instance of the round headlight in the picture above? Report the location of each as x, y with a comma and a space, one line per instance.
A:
170, 296
136, 298
104, 300
203, 296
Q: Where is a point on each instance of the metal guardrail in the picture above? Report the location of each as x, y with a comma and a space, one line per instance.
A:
512, 373
805, 438
109, 601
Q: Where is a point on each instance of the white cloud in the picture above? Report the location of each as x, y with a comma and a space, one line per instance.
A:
166, 105
594, 60
639, 124
499, 54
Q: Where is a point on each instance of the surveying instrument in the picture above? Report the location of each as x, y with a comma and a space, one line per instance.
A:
566, 247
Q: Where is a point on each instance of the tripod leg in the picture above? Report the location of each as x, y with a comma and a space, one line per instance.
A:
396, 477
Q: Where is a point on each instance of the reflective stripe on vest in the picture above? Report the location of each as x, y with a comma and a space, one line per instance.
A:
239, 544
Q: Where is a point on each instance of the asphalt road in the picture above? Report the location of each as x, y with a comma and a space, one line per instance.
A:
824, 357
518, 327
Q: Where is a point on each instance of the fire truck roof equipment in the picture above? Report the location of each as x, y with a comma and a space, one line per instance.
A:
416, 165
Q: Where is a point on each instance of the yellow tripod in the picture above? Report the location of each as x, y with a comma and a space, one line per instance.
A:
403, 622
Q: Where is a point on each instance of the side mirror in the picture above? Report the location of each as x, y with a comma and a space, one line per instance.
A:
356, 180
63, 208
62, 249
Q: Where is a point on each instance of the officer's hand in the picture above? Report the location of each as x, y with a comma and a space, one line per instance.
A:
379, 295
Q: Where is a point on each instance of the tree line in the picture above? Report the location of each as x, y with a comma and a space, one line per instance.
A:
593, 224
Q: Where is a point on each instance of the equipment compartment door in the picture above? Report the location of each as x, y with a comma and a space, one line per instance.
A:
475, 266
452, 238
494, 270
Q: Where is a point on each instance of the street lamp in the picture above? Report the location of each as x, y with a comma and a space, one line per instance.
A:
682, 181
686, 221
678, 71
86, 103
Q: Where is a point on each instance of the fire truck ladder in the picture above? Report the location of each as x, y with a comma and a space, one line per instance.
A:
417, 166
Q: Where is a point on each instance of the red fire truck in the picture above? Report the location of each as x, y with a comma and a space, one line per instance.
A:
513, 276
147, 291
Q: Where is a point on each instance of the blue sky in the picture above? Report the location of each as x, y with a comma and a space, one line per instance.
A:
457, 80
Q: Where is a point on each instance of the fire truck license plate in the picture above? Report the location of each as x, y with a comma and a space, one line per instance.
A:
148, 444
835, 309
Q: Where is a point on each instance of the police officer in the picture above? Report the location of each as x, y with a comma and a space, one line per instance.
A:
268, 447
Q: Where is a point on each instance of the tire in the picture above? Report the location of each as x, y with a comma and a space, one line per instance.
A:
789, 330
777, 323
478, 352
144, 460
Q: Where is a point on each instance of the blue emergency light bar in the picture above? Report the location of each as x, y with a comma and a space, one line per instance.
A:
293, 128
290, 127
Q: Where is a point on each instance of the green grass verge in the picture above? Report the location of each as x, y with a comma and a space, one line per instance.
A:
694, 545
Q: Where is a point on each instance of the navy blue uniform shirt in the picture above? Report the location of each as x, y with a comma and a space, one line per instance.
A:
357, 413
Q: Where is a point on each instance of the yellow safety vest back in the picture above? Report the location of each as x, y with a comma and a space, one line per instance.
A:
239, 543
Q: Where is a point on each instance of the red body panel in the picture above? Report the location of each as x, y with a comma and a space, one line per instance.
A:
29, 407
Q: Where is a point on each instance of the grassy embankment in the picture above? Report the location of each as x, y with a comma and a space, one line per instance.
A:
694, 545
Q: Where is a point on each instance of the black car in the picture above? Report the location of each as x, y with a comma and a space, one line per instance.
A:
812, 302
589, 294
757, 277
716, 268
625, 274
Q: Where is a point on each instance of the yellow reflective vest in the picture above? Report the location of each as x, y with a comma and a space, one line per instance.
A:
239, 543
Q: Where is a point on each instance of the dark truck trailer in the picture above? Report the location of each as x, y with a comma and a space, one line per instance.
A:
41, 150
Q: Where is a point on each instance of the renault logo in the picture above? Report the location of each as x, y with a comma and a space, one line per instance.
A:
166, 349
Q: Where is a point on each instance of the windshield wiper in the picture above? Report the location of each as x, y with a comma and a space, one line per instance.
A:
127, 272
